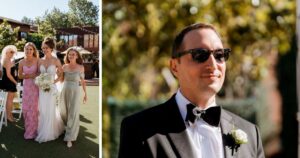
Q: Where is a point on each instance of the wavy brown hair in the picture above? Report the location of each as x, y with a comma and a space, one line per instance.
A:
79, 59
50, 42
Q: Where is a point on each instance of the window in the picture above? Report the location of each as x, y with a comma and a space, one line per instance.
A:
91, 41
86, 41
23, 35
96, 41
75, 40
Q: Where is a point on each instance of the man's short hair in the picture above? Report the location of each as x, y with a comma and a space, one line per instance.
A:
179, 38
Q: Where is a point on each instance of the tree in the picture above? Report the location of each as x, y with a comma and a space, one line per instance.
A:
137, 39
8, 35
45, 27
27, 20
57, 19
20, 44
83, 13
36, 38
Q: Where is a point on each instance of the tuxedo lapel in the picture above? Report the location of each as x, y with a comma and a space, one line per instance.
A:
183, 144
178, 134
226, 127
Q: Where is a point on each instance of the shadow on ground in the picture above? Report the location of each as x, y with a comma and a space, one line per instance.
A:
14, 145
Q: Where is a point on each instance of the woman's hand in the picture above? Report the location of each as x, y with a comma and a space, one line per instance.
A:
26, 76
84, 98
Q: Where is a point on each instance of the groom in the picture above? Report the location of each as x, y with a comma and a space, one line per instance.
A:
190, 124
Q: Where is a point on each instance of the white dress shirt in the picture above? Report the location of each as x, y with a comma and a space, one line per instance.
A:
206, 139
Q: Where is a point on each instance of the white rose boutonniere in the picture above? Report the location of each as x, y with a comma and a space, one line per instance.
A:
235, 138
239, 136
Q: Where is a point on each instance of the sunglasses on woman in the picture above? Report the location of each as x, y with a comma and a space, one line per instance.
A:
200, 55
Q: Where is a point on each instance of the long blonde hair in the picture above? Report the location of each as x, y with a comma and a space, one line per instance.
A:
35, 52
5, 50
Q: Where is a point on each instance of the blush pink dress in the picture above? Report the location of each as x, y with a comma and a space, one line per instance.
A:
30, 103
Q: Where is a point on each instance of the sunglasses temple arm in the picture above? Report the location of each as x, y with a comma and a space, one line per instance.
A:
179, 54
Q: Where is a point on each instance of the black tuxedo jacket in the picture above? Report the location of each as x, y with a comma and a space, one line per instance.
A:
160, 132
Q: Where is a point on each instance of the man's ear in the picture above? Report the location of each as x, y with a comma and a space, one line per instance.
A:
173, 66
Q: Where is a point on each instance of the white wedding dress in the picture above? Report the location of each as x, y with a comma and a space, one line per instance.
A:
50, 125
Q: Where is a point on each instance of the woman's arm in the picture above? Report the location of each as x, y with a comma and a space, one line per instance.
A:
83, 84
62, 74
35, 74
8, 66
38, 66
21, 75
59, 70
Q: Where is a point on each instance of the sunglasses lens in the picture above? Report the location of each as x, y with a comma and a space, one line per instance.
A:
220, 55
200, 55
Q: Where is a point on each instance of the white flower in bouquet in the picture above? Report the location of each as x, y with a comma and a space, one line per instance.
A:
44, 81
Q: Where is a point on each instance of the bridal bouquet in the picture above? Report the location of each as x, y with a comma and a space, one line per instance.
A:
44, 81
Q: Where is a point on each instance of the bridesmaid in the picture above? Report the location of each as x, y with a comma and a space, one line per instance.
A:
28, 70
73, 73
9, 82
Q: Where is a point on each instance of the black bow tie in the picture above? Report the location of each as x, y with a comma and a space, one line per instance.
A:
211, 115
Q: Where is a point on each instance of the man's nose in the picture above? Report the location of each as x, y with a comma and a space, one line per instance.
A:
211, 61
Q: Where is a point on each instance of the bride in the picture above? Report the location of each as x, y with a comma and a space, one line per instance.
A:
50, 124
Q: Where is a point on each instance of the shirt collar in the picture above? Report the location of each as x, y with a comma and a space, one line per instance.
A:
182, 101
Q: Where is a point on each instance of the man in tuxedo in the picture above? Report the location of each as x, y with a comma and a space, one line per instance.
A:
190, 124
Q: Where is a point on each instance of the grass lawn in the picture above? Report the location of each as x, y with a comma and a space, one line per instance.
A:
13, 144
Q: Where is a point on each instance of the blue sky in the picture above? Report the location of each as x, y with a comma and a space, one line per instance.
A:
17, 9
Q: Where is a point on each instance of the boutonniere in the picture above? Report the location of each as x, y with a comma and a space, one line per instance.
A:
239, 136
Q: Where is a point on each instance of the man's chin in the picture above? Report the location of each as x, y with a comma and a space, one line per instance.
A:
213, 88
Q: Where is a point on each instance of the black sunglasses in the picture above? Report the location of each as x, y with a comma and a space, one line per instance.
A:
200, 55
